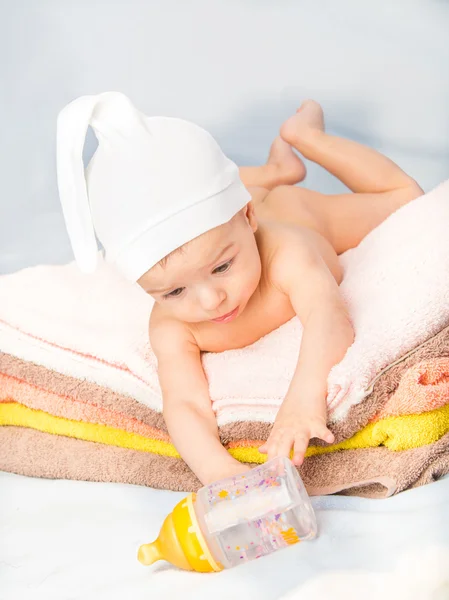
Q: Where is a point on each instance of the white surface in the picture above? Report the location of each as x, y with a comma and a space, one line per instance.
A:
67, 540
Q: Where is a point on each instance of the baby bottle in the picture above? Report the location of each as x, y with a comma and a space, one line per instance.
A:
235, 520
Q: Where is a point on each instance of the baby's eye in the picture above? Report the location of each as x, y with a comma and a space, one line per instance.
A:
223, 268
174, 293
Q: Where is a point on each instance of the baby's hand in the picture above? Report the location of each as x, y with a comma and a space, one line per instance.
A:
293, 429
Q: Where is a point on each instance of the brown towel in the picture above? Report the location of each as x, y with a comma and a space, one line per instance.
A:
374, 473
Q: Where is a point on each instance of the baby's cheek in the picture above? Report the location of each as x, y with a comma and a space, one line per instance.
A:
247, 287
187, 311
253, 280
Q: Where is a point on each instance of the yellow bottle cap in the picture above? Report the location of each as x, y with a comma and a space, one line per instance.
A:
181, 542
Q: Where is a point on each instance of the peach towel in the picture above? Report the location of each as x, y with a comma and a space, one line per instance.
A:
423, 388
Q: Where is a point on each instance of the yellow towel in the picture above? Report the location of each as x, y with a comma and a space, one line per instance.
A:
396, 433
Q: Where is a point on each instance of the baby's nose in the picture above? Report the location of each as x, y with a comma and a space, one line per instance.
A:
211, 298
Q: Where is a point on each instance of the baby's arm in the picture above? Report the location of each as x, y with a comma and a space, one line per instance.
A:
187, 406
313, 291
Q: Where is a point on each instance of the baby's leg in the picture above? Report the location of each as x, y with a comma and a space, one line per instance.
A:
379, 186
283, 167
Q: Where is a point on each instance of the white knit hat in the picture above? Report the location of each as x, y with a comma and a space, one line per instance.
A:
153, 184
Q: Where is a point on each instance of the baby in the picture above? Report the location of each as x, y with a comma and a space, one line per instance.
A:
275, 259
228, 255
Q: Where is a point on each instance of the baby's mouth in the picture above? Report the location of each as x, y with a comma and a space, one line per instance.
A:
227, 317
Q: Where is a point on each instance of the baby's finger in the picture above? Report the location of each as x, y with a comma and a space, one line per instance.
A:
284, 446
263, 448
273, 448
301, 444
271, 441
268, 448
279, 446
323, 433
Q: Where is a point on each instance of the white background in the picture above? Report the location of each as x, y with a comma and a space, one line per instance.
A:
237, 67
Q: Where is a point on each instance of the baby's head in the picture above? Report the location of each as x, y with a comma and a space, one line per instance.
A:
158, 188
211, 276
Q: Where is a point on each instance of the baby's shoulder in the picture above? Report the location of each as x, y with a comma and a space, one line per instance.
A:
293, 248
280, 240
167, 333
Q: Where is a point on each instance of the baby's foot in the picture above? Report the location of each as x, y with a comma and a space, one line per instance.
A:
308, 118
288, 166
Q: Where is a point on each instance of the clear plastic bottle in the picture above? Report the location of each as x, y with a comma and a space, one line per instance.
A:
235, 520
255, 514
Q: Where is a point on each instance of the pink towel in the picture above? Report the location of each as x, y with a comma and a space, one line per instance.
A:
96, 326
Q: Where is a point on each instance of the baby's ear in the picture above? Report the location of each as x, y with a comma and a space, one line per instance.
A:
250, 216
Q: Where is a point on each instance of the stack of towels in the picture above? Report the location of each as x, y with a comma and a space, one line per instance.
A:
80, 399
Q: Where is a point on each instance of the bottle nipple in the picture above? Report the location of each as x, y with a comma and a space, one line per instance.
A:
150, 553
166, 547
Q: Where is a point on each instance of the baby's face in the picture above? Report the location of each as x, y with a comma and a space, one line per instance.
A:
212, 277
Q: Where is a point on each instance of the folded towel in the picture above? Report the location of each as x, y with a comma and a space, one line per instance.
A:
423, 387
95, 326
71, 397
64, 396
396, 433
381, 399
62, 405
367, 472
374, 473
